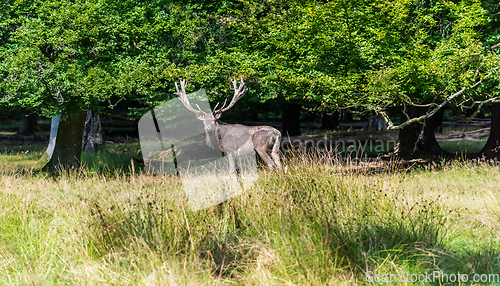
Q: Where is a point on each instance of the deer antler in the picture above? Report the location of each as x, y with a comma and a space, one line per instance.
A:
183, 97
239, 91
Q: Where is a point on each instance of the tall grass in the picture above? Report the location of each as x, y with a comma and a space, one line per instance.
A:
320, 221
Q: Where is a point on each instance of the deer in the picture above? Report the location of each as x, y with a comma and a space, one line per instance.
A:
235, 139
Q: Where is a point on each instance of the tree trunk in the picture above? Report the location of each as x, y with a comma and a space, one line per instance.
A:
92, 133
65, 145
291, 119
376, 123
428, 142
28, 125
329, 121
347, 116
411, 136
438, 122
407, 138
492, 147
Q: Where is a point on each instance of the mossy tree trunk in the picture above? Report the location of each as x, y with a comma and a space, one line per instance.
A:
492, 147
407, 138
65, 146
428, 143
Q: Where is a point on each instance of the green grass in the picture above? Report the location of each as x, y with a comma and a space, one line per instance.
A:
463, 146
19, 157
351, 148
115, 159
322, 222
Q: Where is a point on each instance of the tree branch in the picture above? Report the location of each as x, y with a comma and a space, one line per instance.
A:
390, 124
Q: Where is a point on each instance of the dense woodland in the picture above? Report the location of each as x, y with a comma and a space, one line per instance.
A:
401, 59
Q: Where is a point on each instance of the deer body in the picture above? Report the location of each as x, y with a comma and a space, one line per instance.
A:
239, 139
236, 139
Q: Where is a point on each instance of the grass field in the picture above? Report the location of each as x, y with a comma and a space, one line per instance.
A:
323, 222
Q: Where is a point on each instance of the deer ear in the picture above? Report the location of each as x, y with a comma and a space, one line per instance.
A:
217, 115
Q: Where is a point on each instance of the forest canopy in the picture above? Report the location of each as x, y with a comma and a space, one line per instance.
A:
62, 57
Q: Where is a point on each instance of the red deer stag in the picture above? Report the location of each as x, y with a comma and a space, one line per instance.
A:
236, 139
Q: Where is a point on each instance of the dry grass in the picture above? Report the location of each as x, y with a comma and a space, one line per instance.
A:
322, 222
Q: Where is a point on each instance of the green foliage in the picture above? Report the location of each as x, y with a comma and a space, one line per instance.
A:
436, 50
58, 55
65, 55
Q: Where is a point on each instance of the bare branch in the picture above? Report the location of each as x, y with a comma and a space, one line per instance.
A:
481, 103
425, 105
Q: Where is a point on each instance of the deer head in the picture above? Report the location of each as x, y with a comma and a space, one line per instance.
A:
209, 119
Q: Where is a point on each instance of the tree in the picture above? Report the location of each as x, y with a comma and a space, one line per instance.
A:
376, 122
490, 38
435, 58
409, 55
28, 124
92, 133
64, 57
64, 154
288, 53
492, 147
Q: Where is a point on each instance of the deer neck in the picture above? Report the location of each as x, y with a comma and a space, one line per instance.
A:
218, 125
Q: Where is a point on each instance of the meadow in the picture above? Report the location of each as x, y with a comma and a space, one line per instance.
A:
324, 221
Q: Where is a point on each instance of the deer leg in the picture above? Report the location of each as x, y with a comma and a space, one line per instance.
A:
263, 154
275, 152
276, 159
233, 166
230, 157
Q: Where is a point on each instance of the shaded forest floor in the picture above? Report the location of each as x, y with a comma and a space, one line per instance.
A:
456, 137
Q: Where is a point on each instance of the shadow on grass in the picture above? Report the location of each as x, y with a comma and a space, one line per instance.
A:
109, 163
